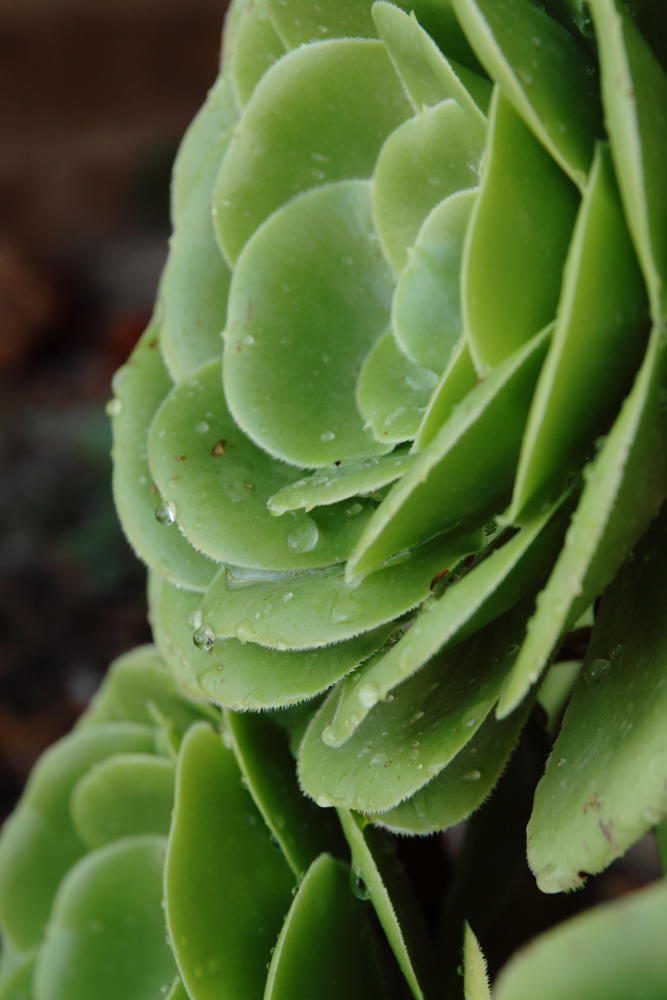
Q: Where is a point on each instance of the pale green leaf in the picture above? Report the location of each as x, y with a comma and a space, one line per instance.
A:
597, 346
392, 392
464, 475
517, 240
123, 796
227, 887
407, 740
429, 77
325, 948
423, 161
614, 950
319, 115
625, 486
315, 609
219, 482
379, 874
106, 932
488, 590
545, 72
139, 387
309, 297
426, 312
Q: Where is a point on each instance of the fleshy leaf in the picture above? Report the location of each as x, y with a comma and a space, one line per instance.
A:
316, 609
319, 115
475, 981
123, 796
219, 482
544, 71
353, 478
614, 950
16, 983
378, 872
457, 380
597, 345
262, 752
140, 386
517, 240
326, 947
634, 91
136, 684
193, 292
426, 313
299, 21
247, 676
163, 627
218, 113
227, 888
626, 484
405, 742
177, 991
106, 932
309, 297
605, 783
487, 591
463, 784
423, 161
429, 77
392, 392
39, 843
256, 48
464, 475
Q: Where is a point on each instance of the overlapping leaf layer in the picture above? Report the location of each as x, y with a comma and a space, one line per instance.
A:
400, 411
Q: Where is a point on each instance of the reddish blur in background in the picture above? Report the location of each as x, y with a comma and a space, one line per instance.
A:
94, 97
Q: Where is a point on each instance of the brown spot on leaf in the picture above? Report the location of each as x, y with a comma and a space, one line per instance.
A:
218, 449
438, 576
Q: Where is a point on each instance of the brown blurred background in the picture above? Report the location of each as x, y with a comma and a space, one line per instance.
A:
94, 97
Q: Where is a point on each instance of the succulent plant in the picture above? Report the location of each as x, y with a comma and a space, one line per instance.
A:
431, 444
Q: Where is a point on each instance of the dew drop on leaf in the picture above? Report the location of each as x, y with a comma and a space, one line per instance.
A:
165, 512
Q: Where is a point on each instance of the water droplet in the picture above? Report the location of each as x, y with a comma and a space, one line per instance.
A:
245, 631
369, 695
203, 637
414, 755
165, 513
561, 762
353, 509
594, 670
358, 886
248, 340
327, 436
287, 597
419, 767
328, 736
304, 536
324, 800
202, 427
368, 462
472, 775
511, 650
274, 841
616, 651
417, 716
114, 407
195, 619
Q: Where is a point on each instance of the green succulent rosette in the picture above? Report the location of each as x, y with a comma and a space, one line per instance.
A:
433, 432
164, 848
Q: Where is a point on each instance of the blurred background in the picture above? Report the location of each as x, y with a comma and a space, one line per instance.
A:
94, 97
